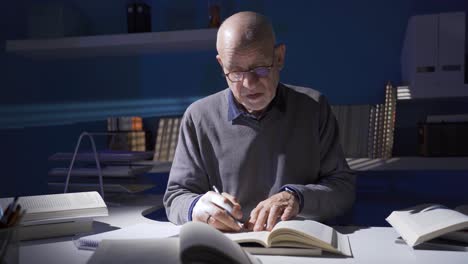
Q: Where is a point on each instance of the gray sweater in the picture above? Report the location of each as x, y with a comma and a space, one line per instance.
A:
296, 144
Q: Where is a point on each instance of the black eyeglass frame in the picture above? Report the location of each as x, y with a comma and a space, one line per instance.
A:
268, 68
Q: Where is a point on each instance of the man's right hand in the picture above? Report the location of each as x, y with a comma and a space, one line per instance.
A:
211, 208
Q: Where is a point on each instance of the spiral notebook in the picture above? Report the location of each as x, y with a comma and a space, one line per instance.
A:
138, 231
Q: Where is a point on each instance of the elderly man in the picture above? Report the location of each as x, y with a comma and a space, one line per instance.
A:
271, 148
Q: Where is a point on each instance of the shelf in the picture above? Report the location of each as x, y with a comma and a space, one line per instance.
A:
108, 188
129, 171
115, 45
410, 164
157, 166
105, 156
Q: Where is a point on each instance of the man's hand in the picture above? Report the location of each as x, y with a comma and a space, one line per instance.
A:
267, 212
211, 208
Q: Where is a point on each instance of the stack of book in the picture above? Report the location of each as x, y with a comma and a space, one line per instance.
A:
166, 139
56, 214
126, 133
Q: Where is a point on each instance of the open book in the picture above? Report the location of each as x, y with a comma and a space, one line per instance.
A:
428, 221
197, 243
58, 214
295, 237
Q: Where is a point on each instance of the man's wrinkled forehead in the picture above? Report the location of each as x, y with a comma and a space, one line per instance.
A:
246, 59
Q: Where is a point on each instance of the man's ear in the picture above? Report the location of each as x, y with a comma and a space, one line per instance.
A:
280, 52
218, 58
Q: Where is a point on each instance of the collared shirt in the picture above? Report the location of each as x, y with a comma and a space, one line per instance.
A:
235, 110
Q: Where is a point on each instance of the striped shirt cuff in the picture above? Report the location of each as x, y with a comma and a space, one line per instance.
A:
192, 205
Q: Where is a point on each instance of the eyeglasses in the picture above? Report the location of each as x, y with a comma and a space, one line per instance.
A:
261, 72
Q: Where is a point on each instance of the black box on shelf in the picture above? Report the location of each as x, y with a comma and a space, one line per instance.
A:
138, 17
443, 139
131, 18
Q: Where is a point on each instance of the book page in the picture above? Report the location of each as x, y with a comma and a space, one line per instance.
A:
421, 223
260, 237
142, 251
201, 243
63, 201
309, 234
308, 228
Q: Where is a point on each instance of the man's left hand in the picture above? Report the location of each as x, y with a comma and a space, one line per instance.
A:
282, 205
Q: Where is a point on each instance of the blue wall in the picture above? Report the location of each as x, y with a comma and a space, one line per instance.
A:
346, 49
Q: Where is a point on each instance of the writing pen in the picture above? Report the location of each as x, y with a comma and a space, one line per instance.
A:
241, 225
8, 211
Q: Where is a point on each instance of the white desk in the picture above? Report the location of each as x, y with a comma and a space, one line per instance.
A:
369, 245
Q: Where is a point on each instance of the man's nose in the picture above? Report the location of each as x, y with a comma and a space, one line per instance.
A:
250, 79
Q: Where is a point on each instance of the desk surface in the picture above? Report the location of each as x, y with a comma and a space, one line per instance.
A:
369, 245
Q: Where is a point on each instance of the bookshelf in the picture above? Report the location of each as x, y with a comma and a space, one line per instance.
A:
115, 45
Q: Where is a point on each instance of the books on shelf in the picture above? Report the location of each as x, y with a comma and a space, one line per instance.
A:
125, 123
295, 237
58, 214
128, 140
166, 139
353, 122
126, 133
367, 131
197, 243
423, 223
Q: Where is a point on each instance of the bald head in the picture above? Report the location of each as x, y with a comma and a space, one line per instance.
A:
250, 60
245, 30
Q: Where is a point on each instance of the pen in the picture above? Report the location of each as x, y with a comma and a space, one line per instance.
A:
14, 216
8, 211
241, 225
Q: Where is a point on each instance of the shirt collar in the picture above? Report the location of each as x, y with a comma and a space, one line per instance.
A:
235, 111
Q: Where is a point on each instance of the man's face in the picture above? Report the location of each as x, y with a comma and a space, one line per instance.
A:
257, 87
